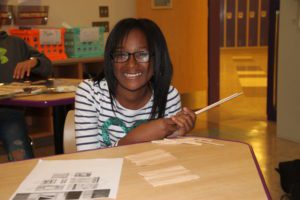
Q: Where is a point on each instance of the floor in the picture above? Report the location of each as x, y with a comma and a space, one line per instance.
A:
244, 118
241, 119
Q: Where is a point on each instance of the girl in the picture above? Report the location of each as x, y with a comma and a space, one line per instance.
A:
132, 101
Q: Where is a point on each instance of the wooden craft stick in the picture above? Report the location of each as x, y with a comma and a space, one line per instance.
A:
218, 103
176, 179
142, 155
168, 175
155, 160
164, 170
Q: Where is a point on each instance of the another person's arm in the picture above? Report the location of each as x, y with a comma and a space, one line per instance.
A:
35, 63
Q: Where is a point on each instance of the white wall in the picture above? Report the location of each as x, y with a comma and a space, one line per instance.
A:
81, 12
288, 108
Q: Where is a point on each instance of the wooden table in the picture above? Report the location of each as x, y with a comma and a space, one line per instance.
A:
60, 102
41, 100
226, 172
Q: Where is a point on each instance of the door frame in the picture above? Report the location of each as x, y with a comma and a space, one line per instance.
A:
214, 56
274, 6
213, 51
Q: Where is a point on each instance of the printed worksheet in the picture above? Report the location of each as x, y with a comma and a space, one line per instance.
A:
71, 179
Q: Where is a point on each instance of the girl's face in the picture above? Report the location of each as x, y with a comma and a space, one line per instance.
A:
135, 73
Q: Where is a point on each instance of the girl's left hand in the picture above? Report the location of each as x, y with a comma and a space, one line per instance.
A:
185, 121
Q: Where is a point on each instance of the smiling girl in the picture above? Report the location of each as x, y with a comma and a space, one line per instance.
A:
132, 101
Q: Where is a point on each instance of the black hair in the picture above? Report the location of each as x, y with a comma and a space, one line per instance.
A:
161, 62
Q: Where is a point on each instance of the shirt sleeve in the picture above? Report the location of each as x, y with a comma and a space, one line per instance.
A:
173, 103
86, 117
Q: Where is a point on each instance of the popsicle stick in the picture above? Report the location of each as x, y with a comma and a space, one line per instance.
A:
175, 179
218, 103
174, 168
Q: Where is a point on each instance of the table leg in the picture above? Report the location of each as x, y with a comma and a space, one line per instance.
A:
59, 115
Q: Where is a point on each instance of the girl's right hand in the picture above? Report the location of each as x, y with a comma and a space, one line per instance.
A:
185, 120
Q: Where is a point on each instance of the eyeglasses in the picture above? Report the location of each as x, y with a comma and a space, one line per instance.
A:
123, 56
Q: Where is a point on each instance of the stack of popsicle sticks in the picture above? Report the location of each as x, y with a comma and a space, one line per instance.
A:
154, 157
165, 176
170, 175
187, 140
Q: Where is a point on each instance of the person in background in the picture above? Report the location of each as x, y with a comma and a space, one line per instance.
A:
132, 101
17, 62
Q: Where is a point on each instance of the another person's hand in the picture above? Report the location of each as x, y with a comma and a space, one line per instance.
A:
24, 68
185, 120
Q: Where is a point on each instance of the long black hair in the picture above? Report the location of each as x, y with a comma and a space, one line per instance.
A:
161, 63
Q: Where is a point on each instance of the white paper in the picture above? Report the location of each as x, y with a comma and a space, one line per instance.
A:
71, 179
89, 34
50, 37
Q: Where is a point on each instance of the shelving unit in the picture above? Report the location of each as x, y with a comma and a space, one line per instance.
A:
77, 67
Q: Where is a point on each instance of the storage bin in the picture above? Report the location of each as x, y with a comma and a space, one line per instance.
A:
47, 41
84, 42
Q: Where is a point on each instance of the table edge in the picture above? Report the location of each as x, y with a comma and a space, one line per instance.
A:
262, 179
30, 103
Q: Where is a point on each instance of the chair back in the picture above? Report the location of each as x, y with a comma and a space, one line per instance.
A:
69, 133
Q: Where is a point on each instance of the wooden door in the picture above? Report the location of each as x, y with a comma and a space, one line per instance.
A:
272, 59
241, 22
222, 22
213, 51
253, 22
264, 22
230, 23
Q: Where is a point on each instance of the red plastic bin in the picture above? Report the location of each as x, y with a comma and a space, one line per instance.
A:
32, 37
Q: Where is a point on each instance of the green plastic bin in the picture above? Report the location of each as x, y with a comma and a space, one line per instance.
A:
76, 47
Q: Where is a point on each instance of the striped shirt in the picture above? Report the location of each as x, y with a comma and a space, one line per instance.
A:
98, 126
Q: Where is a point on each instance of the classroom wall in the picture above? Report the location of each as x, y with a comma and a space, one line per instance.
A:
288, 108
81, 12
185, 27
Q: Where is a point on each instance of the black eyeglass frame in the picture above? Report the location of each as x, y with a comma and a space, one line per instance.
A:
128, 54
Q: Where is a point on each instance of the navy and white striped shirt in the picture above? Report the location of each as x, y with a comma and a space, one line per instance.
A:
98, 126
